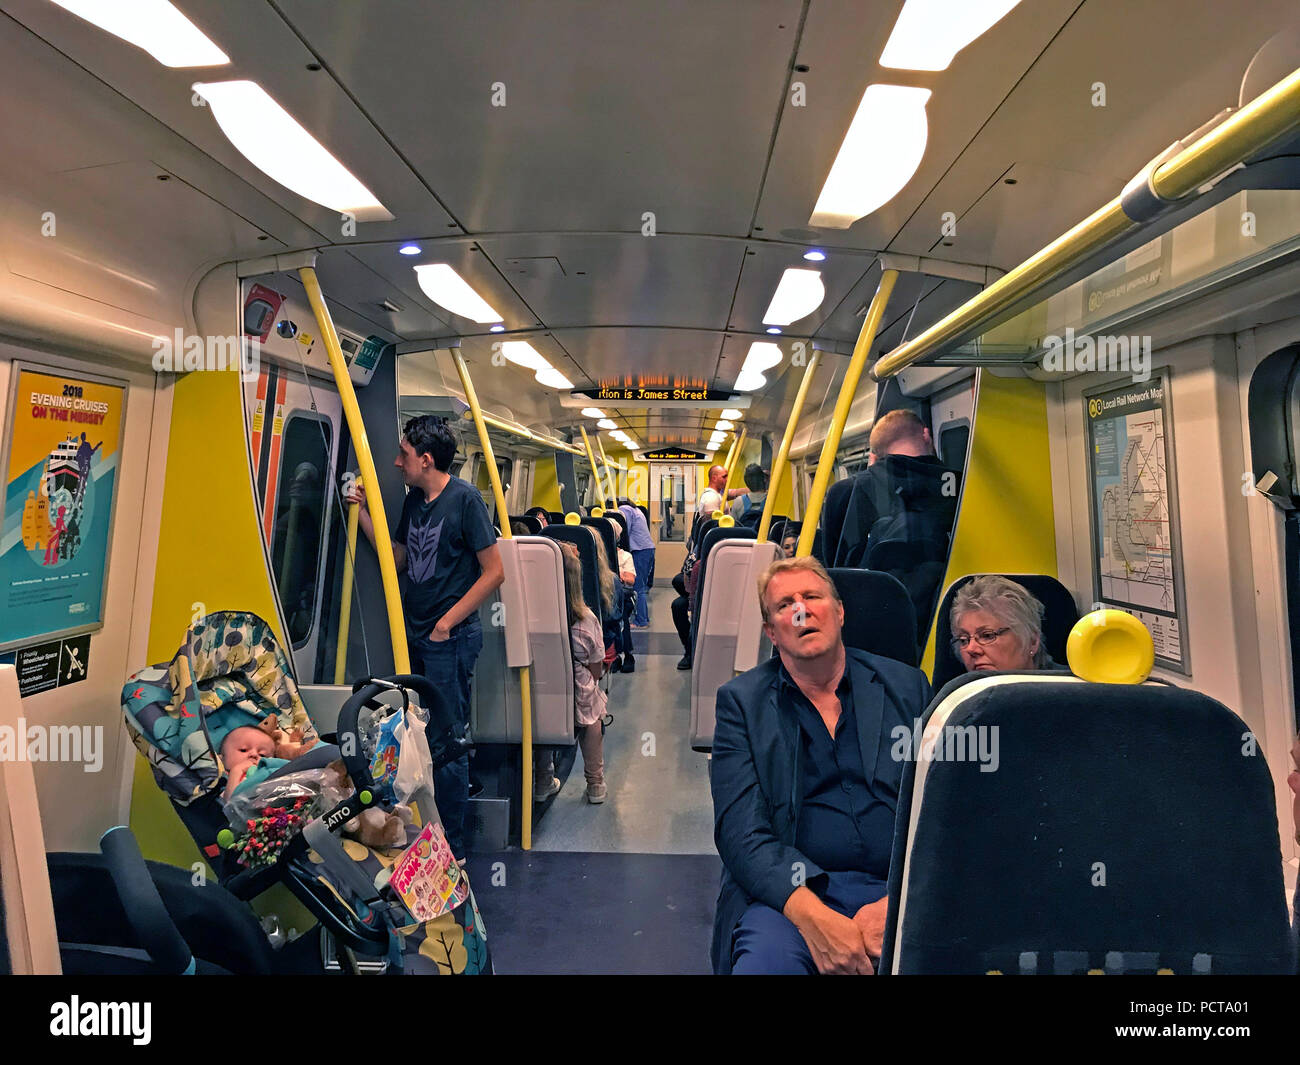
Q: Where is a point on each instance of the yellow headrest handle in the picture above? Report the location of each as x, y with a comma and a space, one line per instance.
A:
597, 512
1110, 647
716, 515
726, 521
572, 519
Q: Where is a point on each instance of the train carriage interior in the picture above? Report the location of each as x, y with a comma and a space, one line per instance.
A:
616, 248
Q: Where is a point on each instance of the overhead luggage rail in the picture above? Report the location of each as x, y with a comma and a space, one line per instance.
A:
1179, 175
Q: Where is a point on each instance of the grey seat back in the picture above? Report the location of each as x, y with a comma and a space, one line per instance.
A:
729, 626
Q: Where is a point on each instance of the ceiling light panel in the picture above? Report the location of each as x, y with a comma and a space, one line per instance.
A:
452, 292
762, 356
592, 412
880, 153
929, 33
272, 140
798, 294
154, 25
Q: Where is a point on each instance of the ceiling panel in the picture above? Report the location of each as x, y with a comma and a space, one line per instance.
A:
842, 42
611, 109
1167, 66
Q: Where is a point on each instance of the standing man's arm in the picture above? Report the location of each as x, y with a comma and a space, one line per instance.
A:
358, 495
480, 538
492, 577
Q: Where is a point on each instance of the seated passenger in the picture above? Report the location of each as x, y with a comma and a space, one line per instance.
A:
805, 788
518, 528
540, 514
589, 701
625, 661
789, 540
997, 624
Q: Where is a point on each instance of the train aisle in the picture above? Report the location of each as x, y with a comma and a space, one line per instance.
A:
628, 886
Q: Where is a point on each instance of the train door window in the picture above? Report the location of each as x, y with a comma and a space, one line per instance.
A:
671, 484
300, 512
954, 438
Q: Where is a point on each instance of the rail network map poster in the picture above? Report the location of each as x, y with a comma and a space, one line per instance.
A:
61, 452
1137, 550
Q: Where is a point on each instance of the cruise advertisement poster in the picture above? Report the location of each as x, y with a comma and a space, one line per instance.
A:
61, 458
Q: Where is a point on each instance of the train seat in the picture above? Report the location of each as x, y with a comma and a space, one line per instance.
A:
529, 521
497, 703
584, 539
878, 614
727, 624
1059, 615
1058, 826
711, 534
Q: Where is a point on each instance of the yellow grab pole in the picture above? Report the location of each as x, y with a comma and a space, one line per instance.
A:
731, 469
1265, 120
345, 606
779, 465
366, 464
503, 518
609, 474
591, 457
726, 463
844, 401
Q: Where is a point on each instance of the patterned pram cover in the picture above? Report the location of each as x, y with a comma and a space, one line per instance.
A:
230, 671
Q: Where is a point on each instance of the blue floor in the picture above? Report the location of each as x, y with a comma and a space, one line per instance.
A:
628, 886
568, 913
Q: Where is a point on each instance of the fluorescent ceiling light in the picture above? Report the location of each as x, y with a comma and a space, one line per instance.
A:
607, 423
592, 412
154, 25
762, 356
724, 425
498, 328
451, 292
272, 140
880, 153
815, 256
799, 293
929, 33
731, 413
522, 353
409, 249
552, 378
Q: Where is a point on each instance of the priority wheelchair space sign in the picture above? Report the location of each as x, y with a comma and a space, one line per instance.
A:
52, 665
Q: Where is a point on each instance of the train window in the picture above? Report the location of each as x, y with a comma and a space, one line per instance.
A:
953, 441
299, 515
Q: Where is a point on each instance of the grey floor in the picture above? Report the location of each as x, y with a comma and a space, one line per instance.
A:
659, 801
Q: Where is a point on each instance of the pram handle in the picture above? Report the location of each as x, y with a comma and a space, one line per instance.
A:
154, 929
446, 736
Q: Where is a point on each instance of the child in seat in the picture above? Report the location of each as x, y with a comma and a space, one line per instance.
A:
588, 645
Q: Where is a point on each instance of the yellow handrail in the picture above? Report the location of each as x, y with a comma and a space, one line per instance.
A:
733, 462
591, 457
783, 453
843, 402
1269, 117
503, 519
609, 473
345, 604
366, 465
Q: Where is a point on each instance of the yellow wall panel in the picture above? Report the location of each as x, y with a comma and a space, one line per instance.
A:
1005, 523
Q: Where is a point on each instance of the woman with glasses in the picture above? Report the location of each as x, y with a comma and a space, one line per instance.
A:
998, 625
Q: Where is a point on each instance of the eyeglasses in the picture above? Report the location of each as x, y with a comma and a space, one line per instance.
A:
983, 638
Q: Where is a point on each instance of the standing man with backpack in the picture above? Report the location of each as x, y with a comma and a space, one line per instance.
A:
749, 508
901, 511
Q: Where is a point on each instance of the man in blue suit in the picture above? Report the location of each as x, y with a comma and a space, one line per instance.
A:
805, 788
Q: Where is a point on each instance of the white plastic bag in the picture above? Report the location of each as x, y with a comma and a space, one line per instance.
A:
414, 779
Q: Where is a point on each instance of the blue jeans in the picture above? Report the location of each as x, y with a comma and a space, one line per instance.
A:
449, 666
766, 943
643, 560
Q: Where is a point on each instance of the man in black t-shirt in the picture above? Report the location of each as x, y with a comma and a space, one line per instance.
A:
445, 543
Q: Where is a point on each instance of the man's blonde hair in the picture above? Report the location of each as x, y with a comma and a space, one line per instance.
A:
789, 565
893, 428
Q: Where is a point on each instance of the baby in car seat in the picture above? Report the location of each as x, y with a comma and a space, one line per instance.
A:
253, 753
